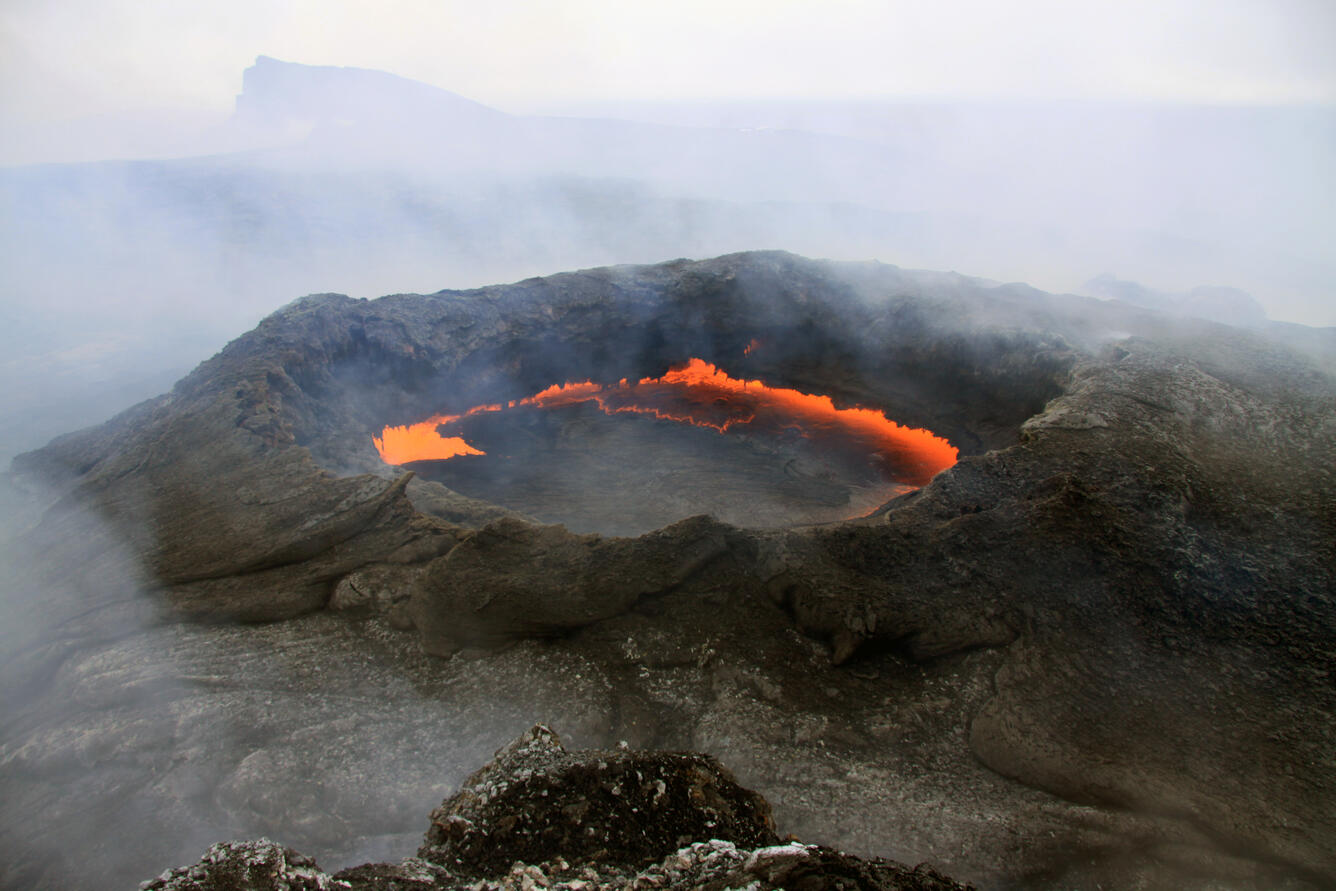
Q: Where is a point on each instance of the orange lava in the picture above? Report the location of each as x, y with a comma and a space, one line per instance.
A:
421, 442
699, 393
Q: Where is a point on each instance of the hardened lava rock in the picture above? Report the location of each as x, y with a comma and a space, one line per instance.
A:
538, 816
243, 866
537, 802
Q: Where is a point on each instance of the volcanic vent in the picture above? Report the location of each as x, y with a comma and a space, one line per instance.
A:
573, 451
619, 401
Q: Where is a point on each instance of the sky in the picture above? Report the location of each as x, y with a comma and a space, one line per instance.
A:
85, 80
68, 59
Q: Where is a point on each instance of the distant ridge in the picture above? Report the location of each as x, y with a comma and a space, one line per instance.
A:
274, 92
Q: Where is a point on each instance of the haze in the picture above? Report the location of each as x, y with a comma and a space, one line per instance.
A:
1137, 150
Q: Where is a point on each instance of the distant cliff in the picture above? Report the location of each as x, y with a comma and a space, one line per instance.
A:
277, 94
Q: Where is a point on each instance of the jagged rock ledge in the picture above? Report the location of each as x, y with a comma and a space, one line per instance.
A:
539, 816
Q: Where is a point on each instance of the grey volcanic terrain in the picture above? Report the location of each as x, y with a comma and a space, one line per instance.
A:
1095, 651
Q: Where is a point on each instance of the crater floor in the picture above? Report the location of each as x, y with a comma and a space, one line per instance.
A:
628, 474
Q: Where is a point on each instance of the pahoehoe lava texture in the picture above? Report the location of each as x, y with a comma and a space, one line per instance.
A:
1134, 559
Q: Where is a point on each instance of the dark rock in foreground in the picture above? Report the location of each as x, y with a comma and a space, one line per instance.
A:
538, 816
538, 802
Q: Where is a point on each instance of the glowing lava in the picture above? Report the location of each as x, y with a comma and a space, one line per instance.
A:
699, 393
421, 442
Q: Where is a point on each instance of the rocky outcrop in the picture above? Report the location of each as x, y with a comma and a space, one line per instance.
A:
539, 816
246, 866
537, 802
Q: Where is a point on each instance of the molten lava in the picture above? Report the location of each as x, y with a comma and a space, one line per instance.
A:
421, 442
699, 393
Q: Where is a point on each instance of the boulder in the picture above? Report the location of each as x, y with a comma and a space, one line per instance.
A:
538, 816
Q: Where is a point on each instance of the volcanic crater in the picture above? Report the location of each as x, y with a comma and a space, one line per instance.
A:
1091, 645
760, 401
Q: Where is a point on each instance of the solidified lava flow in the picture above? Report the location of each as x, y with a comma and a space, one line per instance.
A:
700, 394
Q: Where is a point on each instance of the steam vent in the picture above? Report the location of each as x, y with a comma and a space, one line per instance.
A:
1034, 589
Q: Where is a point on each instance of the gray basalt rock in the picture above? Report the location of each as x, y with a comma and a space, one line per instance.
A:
536, 802
258, 865
538, 816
